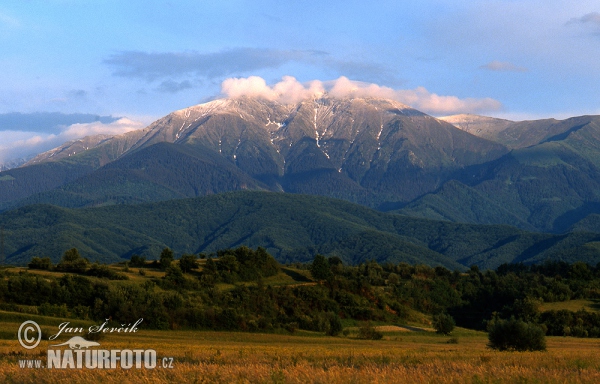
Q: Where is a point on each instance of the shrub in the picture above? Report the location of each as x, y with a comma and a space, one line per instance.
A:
166, 258
137, 261
368, 332
515, 335
188, 262
443, 323
291, 327
319, 269
335, 324
103, 271
73, 262
40, 263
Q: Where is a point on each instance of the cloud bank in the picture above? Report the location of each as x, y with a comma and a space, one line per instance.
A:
290, 90
232, 62
152, 66
24, 144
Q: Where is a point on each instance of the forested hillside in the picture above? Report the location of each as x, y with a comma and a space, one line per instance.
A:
291, 227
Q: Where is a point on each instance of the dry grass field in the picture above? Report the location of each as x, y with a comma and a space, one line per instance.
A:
401, 357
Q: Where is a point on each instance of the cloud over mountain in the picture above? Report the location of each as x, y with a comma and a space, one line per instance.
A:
22, 144
290, 90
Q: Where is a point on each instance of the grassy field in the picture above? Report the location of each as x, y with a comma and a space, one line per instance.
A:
572, 305
403, 356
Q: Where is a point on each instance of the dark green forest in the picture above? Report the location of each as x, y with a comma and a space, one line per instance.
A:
226, 290
292, 228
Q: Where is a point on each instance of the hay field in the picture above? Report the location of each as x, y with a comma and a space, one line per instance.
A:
401, 357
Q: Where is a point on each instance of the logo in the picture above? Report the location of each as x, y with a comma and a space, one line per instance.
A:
78, 342
24, 329
81, 353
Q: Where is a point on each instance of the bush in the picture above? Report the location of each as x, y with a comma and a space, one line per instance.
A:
104, 272
319, 269
335, 324
368, 332
166, 258
187, 263
73, 262
40, 263
515, 335
137, 261
443, 323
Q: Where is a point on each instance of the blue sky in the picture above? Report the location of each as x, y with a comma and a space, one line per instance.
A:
143, 59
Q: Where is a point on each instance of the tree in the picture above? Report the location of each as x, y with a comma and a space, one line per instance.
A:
188, 262
319, 268
72, 262
515, 335
166, 258
40, 263
137, 261
335, 324
71, 255
174, 275
443, 323
228, 267
368, 332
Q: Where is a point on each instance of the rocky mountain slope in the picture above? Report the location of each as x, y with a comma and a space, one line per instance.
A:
371, 151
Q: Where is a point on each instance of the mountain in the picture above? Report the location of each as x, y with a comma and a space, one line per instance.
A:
482, 126
291, 227
522, 134
372, 151
541, 175
548, 185
12, 163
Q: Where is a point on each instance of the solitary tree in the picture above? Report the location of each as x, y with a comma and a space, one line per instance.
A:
515, 335
320, 268
166, 258
72, 262
443, 323
187, 262
335, 324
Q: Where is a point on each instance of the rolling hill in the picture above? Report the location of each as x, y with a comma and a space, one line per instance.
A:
548, 186
291, 227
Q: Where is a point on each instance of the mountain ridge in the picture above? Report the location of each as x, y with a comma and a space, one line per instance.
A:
291, 227
362, 145
544, 175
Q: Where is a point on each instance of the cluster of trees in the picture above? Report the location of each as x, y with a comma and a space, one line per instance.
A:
241, 264
190, 296
73, 262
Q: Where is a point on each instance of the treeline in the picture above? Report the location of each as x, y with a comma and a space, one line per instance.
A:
228, 292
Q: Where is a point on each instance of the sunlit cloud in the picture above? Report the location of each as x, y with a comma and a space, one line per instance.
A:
24, 144
290, 90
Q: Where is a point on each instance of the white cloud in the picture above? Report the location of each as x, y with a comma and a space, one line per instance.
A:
290, 90
500, 66
19, 144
